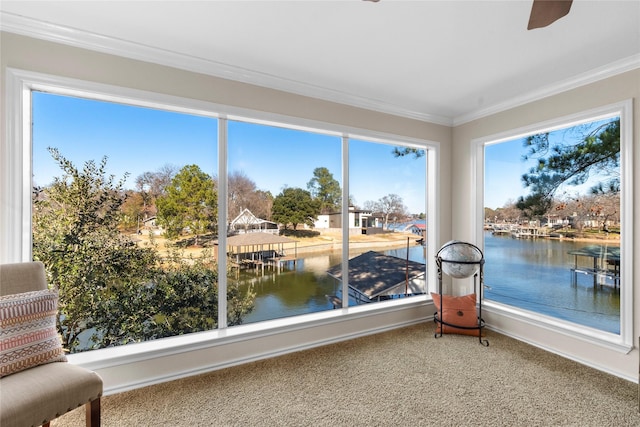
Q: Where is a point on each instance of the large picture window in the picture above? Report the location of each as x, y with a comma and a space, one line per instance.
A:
556, 218
156, 219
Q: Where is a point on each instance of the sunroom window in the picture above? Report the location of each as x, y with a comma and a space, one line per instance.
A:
129, 197
556, 222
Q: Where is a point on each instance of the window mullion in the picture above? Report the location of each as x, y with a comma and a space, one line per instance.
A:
345, 222
222, 223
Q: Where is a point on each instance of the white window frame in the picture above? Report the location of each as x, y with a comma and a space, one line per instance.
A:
624, 341
15, 196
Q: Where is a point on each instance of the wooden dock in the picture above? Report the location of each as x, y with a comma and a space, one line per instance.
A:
606, 265
530, 233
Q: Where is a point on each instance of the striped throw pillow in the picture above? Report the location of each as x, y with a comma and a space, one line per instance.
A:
28, 334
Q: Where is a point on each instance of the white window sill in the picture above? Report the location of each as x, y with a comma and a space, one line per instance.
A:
590, 335
134, 352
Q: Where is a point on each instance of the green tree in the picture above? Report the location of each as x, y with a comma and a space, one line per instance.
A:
534, 205
75, 235
596, 152
408, 151
324, 187
111, 290
295, 206
181, 298
190, 202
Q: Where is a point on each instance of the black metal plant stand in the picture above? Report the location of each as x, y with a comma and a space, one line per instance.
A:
437, 318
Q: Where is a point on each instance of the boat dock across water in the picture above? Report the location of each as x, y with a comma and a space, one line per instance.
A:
605, 268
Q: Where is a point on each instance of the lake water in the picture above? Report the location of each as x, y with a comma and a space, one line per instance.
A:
531, 274
535, 274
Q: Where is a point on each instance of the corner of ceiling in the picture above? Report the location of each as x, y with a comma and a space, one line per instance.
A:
591, 76
60, 34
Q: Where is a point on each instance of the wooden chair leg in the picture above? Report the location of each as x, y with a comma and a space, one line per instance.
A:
93, 413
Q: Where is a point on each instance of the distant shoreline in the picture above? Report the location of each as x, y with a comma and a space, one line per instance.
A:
615, 239
586, 239
331, 242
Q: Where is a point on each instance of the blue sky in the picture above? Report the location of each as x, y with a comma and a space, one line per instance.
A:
138, 140
504, 167
135, 139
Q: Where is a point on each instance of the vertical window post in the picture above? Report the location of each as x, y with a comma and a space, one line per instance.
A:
345, 222
222, 223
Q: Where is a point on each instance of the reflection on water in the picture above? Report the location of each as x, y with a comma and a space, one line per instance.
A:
299, 288
536, 275
530, 274
302, 288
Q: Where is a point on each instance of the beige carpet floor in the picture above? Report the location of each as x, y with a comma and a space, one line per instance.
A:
404, 377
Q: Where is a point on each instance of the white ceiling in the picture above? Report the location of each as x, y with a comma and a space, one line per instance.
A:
442, 61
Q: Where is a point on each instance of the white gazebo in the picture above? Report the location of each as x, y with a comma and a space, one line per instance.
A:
247, 222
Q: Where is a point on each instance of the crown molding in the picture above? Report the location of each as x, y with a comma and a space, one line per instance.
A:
86, 40
618, 67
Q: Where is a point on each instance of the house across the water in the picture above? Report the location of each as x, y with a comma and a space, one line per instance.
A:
361, 221
247, 222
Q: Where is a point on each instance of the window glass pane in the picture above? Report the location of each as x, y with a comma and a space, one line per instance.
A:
387, 222
124, 218
280, 180
552, 223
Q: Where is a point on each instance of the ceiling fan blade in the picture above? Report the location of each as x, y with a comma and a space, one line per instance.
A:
546, 12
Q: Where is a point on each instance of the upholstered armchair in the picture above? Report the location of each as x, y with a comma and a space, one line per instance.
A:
37, 384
